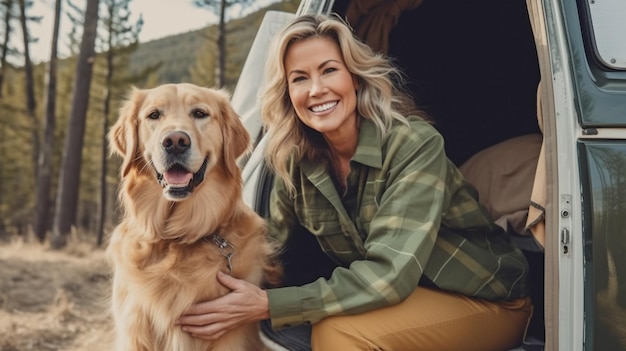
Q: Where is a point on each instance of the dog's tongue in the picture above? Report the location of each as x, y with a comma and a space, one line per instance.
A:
177, 177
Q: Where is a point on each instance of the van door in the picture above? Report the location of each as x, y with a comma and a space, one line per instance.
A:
582, 58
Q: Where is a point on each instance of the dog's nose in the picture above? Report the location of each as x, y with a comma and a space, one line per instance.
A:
176, 142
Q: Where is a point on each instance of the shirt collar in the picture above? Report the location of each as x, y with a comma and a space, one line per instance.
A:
368, 151
369, 147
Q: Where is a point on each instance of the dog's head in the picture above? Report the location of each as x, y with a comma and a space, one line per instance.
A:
180, 132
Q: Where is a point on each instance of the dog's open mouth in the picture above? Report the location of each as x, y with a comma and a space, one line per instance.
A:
178, 182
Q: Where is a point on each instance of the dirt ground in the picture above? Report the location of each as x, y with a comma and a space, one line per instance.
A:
58, 300
53, 300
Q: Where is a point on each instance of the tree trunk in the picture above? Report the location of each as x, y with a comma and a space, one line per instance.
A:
5, 46
103, 168
3, 67
45, 153
105, 128
31, 104
221, 46
67, 197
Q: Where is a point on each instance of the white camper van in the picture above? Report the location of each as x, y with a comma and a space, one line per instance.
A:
530, 96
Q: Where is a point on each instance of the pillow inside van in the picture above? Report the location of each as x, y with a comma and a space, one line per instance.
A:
503, 174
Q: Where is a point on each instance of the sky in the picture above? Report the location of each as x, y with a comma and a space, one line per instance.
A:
161, 18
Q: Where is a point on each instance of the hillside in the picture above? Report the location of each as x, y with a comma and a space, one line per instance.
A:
176, 54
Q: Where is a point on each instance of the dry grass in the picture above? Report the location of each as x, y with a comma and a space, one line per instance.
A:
53, 300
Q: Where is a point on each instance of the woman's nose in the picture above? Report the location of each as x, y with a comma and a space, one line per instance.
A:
317, 87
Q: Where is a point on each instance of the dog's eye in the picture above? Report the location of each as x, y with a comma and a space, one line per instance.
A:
199, 114
154, 114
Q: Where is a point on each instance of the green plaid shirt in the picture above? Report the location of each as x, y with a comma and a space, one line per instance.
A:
410, 217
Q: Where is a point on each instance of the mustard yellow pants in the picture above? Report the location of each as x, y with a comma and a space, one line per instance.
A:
428, 320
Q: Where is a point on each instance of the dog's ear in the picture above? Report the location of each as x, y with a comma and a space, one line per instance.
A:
123, 134
236, 137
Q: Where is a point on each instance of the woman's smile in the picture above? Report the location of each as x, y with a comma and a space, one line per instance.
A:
324, 107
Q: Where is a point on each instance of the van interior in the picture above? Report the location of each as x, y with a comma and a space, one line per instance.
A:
473, 67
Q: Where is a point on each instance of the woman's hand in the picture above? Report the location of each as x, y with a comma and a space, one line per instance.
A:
209, 320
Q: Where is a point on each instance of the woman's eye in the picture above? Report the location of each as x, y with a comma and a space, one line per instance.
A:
154, 114
199, 114
297, 79
330, 70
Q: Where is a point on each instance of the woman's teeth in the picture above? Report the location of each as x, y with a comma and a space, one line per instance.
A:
324, 107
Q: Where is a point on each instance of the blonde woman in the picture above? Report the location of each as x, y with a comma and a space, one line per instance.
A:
420, 266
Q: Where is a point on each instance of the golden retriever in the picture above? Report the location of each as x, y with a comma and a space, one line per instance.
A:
184, 217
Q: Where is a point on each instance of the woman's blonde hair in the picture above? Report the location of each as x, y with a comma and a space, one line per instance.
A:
381, 96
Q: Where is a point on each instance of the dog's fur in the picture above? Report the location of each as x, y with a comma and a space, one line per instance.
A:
181, 184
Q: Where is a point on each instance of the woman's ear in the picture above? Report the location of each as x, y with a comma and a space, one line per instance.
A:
356, 82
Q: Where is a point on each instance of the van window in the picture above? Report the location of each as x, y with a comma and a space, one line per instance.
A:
608, 26
605, 248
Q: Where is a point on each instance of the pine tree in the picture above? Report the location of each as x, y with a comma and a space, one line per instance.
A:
6, 10
44, 165
67, 197
121, 39
219, 7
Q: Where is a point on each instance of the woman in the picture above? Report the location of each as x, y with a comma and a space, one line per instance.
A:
422, 265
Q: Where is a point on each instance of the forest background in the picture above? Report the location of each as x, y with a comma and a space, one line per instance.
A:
56, 177
58, 184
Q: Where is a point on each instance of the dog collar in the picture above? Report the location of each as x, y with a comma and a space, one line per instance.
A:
227, 250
